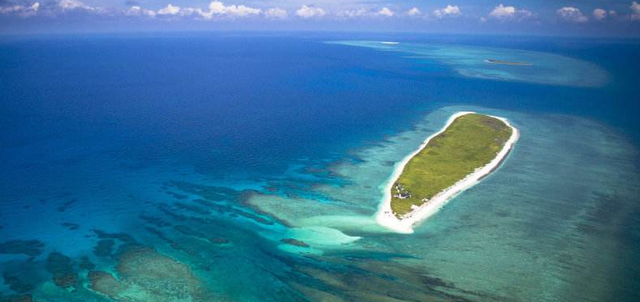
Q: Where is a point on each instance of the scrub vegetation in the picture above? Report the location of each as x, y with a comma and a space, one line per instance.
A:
471, 141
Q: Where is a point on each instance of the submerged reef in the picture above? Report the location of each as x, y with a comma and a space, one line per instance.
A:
104, 247
27, 247
510, 63
61, 268
294, 242
146, 275
20, 298
16, 283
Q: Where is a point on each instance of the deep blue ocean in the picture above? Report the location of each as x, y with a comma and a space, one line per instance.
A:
249, 167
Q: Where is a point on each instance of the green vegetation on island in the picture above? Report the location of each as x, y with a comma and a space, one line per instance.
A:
471, 141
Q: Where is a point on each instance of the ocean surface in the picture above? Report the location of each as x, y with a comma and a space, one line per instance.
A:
249, 167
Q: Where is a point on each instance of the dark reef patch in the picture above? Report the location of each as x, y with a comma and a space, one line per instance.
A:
177, 196
19, 298
125, 238
15, 283
61, 268
294, 242
219, 240
86, 264
31, 248
185, 230
66, 205
191, 208
155, 221
70, 226
104, 248
208, 192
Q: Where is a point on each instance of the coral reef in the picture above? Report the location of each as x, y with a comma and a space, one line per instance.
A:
146, 275
61, 267
27, 247
294, 242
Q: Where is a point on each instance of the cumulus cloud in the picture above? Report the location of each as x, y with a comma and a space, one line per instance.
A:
52, 9
599, 14
276, 13
635, 9
449, 10
169, 10
361, 12
20, 10
385, 12
414, 12
502, 12
139, 11
572, 14
218, 8
73, 4
307, 12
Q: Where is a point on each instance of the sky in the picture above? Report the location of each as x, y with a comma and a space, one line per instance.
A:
517, 17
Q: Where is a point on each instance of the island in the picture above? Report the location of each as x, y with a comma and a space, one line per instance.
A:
468, 148
503, 62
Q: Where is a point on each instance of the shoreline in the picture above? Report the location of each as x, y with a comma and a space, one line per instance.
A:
385, 216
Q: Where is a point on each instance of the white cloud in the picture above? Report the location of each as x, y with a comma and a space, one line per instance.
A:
572, 14
21, 10
385, 12
77, 5
218, 8
635, 8
310, 12
447, 11
169, 10
361, 12
599, 14
502, 12
73, 4
414, 12
276, 13
138, 11
52, 9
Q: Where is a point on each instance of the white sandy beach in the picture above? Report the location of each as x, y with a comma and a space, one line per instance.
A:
385, 216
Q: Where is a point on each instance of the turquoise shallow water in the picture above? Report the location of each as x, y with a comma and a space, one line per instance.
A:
473, 61
552, 210
218, 177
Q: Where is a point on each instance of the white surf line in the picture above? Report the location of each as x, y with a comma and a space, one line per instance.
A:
385, 216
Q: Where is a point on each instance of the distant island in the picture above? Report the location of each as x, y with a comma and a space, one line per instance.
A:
503, 62
466, 149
